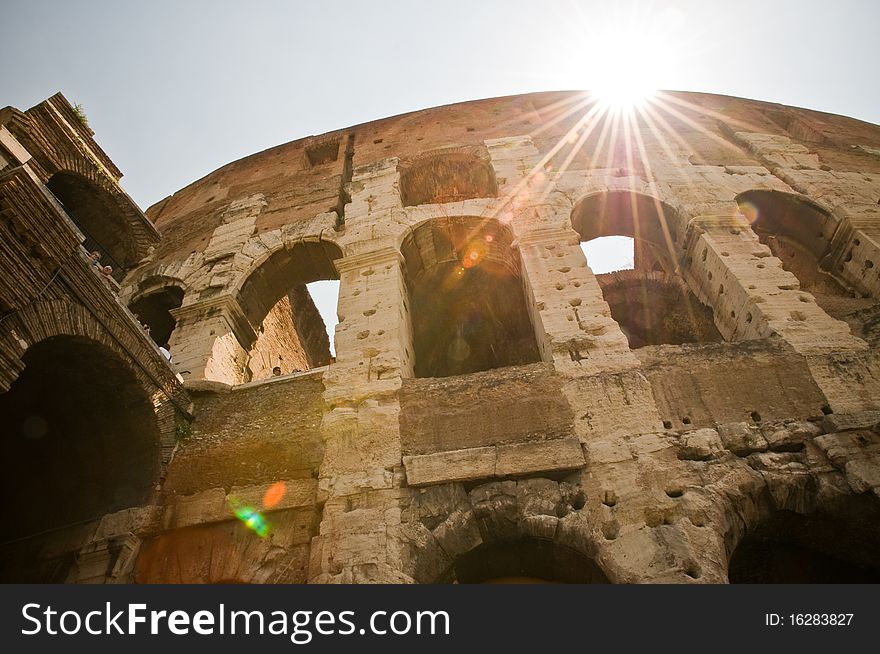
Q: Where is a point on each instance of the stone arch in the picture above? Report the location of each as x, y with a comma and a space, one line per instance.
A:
655, 226
86, 440
799, 233
653, 308
446, 176
153, 307
289, 331
773, 506
96, 214
532, 528
467, 300
220, 553
823, 546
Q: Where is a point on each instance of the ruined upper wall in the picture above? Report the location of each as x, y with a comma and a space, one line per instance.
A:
305, 178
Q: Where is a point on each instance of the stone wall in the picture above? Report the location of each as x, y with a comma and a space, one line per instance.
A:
748, 416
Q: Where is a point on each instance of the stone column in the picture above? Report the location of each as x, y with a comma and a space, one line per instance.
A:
207, 342
361, 475
572, 321
753, 296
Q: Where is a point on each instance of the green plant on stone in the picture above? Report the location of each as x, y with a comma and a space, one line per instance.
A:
81, 114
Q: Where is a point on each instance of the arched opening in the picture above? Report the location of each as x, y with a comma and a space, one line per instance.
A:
799, 234
291, 334
790, 547
447, 177
653, 226
655, 308
467, 300
526, 561
154, 310
82, 441
648, 298
97, 217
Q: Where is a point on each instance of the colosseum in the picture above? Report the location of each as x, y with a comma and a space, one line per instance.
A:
495, 407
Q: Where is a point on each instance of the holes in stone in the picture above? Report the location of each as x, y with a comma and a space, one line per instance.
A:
827, 410
748, 317
693, 572
674, 492
377, 141
755, 416
575, 302
369, 312
686, 420
609, 498
761, 265
803, 298
709, 275
733, 314
667, 424
721, 289
705, 254
848, 257
869, 263
579, 500
725, 254
857, 242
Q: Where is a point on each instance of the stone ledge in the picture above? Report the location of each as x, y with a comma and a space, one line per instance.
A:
494, 461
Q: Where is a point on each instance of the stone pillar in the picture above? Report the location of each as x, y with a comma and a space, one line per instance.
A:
753, 296
572, 321
360, 476
207, 342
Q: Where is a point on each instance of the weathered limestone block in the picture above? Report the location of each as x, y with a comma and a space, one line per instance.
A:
837, 422
789, 436
456, 465
701, 445
540, 456
742, 438
187, 510
863, 474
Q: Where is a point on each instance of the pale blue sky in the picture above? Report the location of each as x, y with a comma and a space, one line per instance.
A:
174, 89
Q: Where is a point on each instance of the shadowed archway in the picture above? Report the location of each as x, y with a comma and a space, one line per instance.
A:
85, 441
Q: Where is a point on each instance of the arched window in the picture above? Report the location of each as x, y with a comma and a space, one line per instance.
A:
84, 441
791, 547
446, 177
648, 298
97, 217
653, 226
154, 310
467, 300
291, 333
799, 234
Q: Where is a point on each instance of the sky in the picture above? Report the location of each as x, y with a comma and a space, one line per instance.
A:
175, 89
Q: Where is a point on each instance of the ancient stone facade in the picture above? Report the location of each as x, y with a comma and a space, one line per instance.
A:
494, 408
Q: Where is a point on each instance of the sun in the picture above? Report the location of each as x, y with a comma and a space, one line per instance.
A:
623, 96
626, 58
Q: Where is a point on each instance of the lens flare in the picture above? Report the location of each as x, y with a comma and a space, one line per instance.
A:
251, 518
274, 495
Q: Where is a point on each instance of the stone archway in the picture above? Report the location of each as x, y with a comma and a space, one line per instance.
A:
467, 298
96, 214
85, 441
